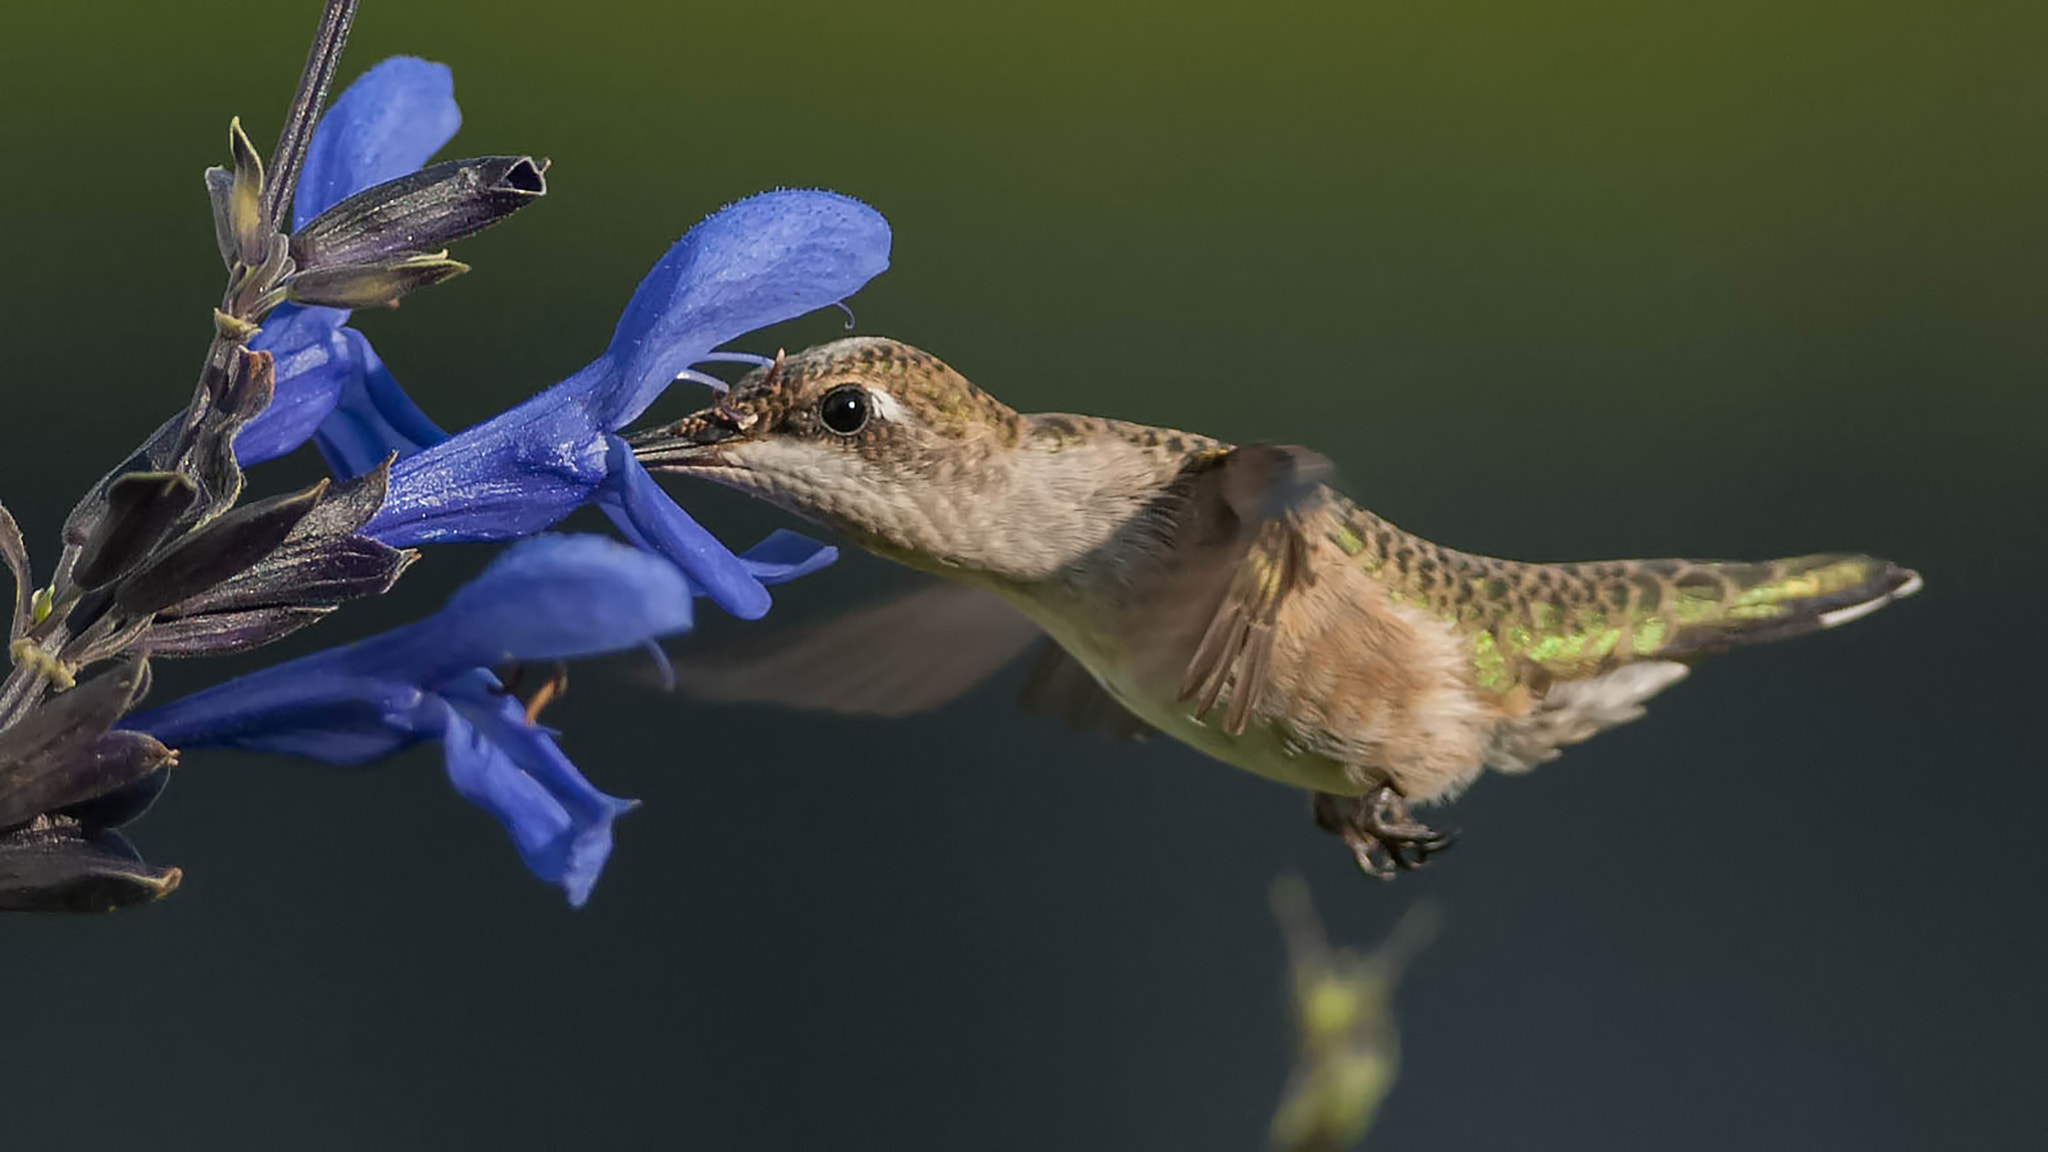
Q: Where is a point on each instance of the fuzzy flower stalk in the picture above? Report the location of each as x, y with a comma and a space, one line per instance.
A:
165, 558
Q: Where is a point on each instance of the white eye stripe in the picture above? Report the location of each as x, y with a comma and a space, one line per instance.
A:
882, 404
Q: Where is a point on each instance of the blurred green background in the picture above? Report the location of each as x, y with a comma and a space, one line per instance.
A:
1549, 280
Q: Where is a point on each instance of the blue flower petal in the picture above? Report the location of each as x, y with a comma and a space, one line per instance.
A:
636, 502
388, 123
372, 418
315, 362
524, 767
766, 259
548, 598
512, 475
310, 707
783, 555
552, 597
485, 776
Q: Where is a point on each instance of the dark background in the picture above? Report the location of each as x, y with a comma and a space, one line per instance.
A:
1557, 280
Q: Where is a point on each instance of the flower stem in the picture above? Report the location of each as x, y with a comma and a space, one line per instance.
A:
304, 113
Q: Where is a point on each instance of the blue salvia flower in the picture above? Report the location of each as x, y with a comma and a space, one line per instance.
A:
763, 260
766, 259
548, 598
162, 556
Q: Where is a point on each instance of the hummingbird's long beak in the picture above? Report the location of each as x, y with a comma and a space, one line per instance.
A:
695, 440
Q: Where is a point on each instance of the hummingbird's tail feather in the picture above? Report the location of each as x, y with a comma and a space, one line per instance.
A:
1711, 607
1585, 645
1535, 624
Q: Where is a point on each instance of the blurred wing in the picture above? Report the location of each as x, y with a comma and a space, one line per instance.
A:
1059, 686
906, 656
1244, 534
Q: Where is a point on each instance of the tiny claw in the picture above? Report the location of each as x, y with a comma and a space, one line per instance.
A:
1378, 829
1368, 851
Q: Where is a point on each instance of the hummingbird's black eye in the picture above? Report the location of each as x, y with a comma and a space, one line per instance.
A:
844, 410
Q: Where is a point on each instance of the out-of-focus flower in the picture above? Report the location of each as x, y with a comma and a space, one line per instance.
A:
548, 598
1344, 1023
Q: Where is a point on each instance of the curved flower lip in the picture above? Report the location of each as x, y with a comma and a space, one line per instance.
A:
551, 597
390, 121
766, 259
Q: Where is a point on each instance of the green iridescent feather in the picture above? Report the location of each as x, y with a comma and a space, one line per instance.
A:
1534, 623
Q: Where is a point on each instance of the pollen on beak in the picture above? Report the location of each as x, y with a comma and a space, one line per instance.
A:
694, 439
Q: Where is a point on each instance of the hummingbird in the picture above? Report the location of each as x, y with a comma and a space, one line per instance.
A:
1224, 595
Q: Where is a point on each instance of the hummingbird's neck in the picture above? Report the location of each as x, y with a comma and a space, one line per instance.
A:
1068, 503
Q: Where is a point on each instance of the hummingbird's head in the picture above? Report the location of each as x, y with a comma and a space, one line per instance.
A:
869, 436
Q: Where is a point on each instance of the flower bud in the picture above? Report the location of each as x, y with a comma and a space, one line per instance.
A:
423, 211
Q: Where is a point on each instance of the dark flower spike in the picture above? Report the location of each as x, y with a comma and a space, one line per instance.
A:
161, 533
60, 753
55, 865
763, 260
421, 212
548, 598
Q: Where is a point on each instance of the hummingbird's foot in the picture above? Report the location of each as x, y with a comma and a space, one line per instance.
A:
1384, 837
